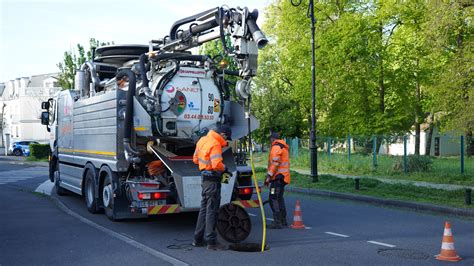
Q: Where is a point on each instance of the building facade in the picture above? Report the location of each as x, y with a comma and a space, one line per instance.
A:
20, 107
442, 144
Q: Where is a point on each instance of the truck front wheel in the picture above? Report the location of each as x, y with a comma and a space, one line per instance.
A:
59, 190
89, 195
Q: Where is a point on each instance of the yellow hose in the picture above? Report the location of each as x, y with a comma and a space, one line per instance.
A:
264, 223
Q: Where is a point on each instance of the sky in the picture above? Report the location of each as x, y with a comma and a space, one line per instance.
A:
34, 34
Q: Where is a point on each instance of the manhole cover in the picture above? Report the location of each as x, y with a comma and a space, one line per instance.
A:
404, 254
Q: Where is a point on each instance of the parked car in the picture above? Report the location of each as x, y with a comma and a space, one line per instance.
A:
19, 148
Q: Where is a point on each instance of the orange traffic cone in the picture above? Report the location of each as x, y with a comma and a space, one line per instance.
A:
297, 218
448, 253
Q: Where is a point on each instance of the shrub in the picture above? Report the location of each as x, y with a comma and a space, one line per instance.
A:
415, 163
39, 151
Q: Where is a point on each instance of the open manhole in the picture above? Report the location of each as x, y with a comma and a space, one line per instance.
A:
403, 254
247, 247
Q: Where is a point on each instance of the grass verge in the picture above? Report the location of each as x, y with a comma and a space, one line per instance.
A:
444, 170
375, 188
34, 159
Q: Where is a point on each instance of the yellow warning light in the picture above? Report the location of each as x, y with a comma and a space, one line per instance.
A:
223, 64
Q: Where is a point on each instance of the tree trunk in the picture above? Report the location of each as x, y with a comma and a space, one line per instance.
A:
381, 77
469, 143
429, 136
417, 111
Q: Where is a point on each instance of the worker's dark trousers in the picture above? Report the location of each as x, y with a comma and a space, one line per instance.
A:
210, 202
277, 202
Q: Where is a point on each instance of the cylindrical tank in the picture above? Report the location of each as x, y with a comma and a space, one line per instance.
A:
190, 101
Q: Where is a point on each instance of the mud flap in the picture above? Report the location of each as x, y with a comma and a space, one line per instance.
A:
187, 178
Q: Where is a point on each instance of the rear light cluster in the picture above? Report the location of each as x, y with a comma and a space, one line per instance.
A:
152, 195
247, 190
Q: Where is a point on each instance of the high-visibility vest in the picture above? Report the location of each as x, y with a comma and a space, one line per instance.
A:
279, 161
208, 153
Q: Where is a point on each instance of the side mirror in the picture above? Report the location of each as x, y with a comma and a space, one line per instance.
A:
45, 118
45, 106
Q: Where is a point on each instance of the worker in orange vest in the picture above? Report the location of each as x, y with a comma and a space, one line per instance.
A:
278, 176
208, 155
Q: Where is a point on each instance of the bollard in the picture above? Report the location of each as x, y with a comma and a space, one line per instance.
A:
357, 183
467, 196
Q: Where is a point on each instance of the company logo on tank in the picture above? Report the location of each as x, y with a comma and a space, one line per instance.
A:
217, 106
181, 103
170, 89
191, 107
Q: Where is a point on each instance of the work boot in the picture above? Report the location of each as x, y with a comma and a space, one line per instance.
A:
274, 225
284, 222
216, 246
198, 243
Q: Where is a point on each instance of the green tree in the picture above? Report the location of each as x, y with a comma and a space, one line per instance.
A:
450, 32
382, 68
73, 60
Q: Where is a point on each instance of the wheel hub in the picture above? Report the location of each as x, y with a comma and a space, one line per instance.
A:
107, 195
90, 193
233, 223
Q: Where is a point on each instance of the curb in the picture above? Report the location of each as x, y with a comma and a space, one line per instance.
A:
385, 202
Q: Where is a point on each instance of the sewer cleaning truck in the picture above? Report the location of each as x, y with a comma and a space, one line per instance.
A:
123, 138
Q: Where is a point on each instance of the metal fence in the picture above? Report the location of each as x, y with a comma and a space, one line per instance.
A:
387, 155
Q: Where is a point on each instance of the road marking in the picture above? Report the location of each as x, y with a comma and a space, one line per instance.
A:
381, 244
251, 214
125, 239
336, 234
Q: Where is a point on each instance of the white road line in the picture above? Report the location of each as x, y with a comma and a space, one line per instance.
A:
121, 237
336, 234
381, 244
270, 219
251, 214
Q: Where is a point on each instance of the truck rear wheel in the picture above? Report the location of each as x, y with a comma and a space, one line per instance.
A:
89, 193
108, 197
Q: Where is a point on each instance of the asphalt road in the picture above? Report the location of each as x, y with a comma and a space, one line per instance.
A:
34, 230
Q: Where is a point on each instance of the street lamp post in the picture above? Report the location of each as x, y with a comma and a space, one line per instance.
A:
313, 148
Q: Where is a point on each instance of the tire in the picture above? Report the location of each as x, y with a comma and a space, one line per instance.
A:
59, 190
17, 152
89, 192
107, 196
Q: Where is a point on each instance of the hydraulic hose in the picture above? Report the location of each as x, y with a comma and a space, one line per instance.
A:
257, 34
127, 134
179, 56
143, 61
177, 24
262, 211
